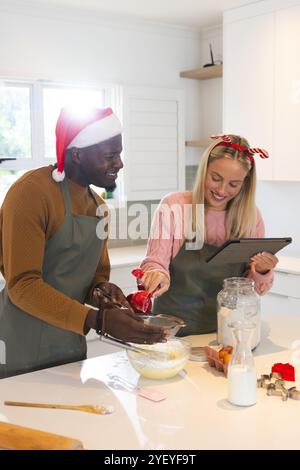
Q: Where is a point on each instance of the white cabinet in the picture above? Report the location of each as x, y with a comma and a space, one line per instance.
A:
262, 83
249, 83
284, 296
123, 261
280, 304
287, 95
122, 277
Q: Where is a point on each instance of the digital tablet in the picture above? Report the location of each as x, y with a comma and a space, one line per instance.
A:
242, 249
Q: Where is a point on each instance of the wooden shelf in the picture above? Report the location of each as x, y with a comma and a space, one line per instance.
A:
198, 143
204, 73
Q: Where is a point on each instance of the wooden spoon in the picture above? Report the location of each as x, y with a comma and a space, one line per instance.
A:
96, 409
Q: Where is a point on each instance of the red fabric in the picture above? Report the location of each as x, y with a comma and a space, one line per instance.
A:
226, 141
69, 124
140, 301
286, 371
238, 147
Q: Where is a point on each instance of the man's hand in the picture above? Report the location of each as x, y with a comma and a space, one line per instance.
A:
114, 295
155, 282
126, 325
263, 262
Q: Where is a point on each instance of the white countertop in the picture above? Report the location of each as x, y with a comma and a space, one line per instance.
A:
194, 415
133, 255
129, 255
288, 264
125, 256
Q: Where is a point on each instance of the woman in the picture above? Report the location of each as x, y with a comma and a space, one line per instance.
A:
182, 282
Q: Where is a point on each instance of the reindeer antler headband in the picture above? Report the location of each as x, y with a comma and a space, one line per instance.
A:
227, 142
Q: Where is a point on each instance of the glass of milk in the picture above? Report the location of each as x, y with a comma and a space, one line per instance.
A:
242, 384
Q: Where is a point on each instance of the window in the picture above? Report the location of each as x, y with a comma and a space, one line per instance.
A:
7, 178
15, 126
28, 115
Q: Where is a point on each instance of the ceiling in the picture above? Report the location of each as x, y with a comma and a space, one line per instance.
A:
191, 13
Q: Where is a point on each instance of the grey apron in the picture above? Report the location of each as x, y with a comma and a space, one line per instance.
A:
193, 291
70, 262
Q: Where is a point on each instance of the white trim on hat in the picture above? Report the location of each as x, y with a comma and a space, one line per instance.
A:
97, 132
58, 176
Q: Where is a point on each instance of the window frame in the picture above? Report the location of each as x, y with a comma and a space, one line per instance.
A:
36, 110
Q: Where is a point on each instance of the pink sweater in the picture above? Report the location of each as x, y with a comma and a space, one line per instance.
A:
161, 250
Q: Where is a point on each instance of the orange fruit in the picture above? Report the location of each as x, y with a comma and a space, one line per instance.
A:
222, 353
228, 348
227, 358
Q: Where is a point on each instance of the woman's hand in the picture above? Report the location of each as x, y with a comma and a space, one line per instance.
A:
155, 282
263, 262
114, 293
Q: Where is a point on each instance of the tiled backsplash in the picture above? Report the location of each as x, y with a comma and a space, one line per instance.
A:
149, 206
141, 221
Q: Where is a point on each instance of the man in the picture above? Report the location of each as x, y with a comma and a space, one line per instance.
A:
51, 257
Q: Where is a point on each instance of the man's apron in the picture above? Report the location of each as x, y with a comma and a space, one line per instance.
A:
70, 262
195, 284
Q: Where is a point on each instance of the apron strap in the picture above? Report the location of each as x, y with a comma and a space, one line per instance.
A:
66, 196
92, 196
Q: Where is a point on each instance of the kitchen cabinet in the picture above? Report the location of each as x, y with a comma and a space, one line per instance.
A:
123, 261
287, 95
249, 84
122, 277
284, 296
262, 83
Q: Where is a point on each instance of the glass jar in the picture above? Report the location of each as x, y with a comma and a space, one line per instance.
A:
237, 301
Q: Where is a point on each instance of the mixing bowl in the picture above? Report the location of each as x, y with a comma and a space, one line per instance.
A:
174, 355
169, 322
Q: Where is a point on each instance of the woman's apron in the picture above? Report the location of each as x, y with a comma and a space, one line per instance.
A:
70, 262
193, 291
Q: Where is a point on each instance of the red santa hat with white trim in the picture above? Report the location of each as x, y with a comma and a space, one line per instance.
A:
81, 129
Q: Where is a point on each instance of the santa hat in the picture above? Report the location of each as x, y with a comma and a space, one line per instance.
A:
82, 129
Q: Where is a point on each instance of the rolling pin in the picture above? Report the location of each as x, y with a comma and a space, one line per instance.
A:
15, 437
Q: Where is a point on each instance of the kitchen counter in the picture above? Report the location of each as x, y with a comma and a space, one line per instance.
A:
133, 255
194, 415
126, 256
288, 264
121, 257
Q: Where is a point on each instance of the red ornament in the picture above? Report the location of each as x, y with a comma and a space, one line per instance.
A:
138, 273
140, 301
286, 371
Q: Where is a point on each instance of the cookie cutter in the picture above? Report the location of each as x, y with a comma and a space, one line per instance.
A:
277, 388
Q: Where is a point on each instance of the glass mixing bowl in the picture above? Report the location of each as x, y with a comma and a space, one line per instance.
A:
174, 356
169, 322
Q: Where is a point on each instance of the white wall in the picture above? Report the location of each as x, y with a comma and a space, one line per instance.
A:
52, 43
204, 117
48, 43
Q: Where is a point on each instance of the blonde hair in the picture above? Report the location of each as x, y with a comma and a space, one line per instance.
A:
241, 210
